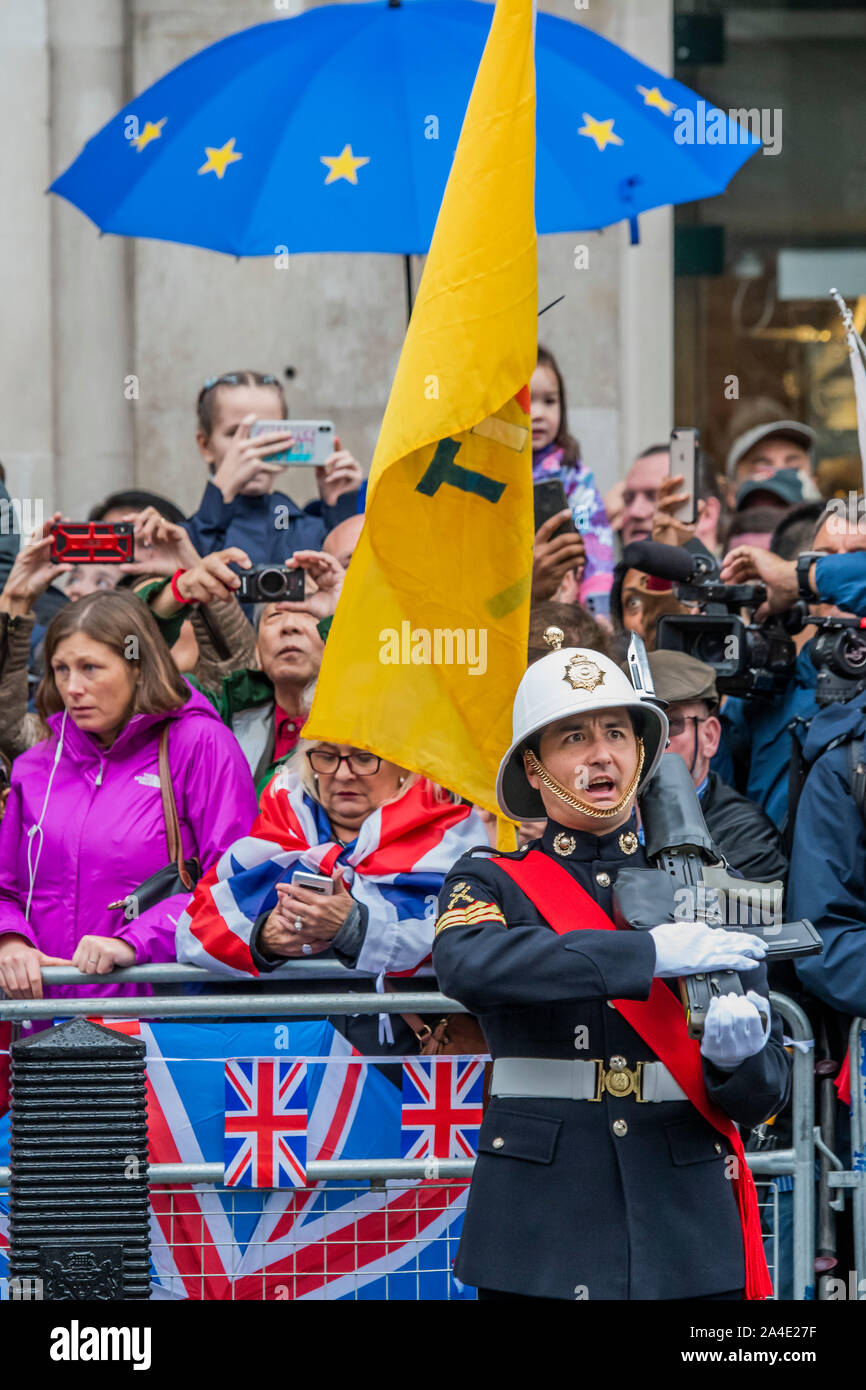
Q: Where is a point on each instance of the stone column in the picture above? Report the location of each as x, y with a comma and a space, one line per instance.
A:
646, 286
613, 332
92, 318
26, 366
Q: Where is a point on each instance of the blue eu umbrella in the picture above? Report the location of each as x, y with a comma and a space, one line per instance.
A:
335, 131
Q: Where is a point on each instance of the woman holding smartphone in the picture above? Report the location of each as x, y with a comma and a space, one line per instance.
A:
379, 838
239, 506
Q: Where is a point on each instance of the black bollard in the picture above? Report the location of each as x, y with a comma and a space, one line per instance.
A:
78, 1212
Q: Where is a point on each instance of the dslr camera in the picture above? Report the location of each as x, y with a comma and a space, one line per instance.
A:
270, 584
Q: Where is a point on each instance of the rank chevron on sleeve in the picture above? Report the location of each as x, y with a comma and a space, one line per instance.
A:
470, 916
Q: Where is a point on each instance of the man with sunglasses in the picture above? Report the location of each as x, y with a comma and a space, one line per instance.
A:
745, 835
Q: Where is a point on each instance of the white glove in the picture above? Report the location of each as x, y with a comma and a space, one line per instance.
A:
737, 1026
685, 948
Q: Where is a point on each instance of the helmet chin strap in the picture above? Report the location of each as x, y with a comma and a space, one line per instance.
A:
570, 799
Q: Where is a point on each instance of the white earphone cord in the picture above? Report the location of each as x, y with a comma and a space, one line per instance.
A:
37, 828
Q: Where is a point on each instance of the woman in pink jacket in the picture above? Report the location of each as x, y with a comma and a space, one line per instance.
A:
84, 824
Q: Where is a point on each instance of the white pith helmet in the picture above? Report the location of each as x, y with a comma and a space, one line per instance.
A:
571, 681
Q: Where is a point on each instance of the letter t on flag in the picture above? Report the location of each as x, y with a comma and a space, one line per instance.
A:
447, 542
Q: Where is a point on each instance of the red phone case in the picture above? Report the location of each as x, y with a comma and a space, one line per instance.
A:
92, 542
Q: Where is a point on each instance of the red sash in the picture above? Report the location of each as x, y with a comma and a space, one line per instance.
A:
843, 1081
661, 1023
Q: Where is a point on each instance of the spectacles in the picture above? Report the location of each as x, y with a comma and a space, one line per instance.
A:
362, 764
677, 725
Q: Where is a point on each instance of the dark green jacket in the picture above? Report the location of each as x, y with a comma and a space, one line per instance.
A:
245, 700
246, 704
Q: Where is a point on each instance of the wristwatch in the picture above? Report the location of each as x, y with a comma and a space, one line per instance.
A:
804, 564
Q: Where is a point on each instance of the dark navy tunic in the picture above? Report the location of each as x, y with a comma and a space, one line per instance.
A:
615, 1199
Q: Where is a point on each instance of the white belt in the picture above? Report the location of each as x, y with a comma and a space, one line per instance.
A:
548, 1078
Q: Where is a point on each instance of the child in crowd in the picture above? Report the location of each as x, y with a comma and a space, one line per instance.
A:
239, 506
555, 454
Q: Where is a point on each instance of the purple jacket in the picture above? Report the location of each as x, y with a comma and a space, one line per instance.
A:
103, 830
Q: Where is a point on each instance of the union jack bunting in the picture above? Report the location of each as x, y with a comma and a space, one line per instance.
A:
441, 1107
322, 1241
265, 1123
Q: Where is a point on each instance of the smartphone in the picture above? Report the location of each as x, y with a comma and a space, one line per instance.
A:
92, 542
312, 440
685, 456
318, 883
550, 498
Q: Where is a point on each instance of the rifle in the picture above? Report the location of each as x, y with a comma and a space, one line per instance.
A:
690, 881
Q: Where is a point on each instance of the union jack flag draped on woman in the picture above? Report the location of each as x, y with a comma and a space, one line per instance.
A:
394, 869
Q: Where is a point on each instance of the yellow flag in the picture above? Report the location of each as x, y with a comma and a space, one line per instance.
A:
429, 640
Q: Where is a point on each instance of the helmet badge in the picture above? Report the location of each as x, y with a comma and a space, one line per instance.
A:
583, 674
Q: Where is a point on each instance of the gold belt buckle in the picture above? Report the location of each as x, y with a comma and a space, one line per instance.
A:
619, 1080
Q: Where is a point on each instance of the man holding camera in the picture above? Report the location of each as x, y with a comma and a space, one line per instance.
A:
756, 740
260, 693
828, 861
608, 1141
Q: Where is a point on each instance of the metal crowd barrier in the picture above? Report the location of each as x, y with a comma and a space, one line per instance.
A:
801, 1155
796, 1161
855, 1178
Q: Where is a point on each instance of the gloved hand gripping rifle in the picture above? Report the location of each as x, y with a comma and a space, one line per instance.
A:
690, 881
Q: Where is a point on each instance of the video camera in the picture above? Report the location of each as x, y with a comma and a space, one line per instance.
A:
756, 660
838, 653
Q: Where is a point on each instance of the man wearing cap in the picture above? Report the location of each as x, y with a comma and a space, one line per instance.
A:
765, 450
743, 833
608, 1164
780, 490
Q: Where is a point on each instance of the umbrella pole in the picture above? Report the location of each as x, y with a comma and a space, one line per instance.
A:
407, 266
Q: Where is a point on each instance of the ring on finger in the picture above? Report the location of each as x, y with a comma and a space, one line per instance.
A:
298, 924
307, 948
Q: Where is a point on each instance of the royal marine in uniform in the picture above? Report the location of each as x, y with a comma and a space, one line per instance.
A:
599, 1175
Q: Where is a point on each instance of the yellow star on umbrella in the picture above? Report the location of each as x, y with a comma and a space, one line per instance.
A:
152, 131
653, 97
218, 160
343, 165
599, 131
